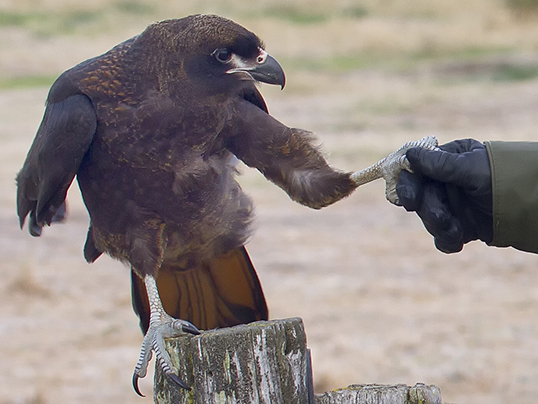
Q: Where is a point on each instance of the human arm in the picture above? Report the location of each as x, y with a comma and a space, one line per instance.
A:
471, 190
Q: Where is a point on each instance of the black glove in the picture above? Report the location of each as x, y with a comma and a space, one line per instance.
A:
451, 192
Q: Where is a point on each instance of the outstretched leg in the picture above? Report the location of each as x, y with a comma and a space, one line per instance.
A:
161, 326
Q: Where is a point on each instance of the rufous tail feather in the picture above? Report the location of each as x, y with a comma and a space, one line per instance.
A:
223, 293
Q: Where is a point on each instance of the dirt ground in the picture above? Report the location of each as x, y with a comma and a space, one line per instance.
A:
380, 304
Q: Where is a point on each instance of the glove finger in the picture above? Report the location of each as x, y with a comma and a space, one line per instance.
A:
448, 247
434, 211
440, 165
409, 190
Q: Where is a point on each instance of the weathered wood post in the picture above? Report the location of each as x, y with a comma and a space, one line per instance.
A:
264, 362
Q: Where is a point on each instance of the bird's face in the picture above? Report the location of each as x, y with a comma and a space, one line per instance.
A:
220, 56
258, 66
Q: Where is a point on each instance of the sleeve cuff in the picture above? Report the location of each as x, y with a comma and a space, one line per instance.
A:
514, 173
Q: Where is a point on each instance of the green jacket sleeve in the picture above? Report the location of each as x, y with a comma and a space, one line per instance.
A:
514, 169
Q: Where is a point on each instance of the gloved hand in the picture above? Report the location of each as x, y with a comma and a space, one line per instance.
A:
451, 192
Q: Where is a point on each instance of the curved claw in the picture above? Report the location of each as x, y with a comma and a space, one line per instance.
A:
135, 385
190, 328
178, 381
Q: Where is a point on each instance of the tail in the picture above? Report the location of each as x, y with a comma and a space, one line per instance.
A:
224, 293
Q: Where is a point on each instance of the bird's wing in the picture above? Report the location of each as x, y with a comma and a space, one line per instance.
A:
223, 293
62, 140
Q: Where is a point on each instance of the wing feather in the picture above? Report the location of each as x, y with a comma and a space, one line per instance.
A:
62, 140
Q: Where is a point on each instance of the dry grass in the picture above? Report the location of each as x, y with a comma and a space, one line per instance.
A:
26, 285
379, 303
307, 33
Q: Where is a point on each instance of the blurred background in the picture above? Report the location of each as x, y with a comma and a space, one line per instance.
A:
380, 304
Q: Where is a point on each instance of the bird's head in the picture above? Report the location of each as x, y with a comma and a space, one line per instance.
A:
216, 52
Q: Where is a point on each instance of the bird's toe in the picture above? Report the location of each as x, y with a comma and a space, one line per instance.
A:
166, 327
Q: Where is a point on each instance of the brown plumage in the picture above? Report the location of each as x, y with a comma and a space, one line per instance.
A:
151, 130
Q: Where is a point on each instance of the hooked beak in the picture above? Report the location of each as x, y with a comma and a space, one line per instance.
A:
266, 70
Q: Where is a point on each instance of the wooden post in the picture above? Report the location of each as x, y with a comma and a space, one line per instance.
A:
263, 362
382, 394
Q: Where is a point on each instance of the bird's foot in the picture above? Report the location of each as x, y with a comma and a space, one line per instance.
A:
397, 161
390, 167
160, 328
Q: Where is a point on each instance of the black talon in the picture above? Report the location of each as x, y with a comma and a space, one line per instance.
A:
190, 328
178, 381
135, 385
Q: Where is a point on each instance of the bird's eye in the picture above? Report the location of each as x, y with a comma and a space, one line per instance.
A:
223, 55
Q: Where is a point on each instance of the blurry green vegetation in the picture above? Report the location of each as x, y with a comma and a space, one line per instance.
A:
67, 20
522, 7
296, 14
395, 61
478, 71
333, 63
45, 23
26, 82
512, 72
463, 54
135, 7
71, 20
12, 18
399, 37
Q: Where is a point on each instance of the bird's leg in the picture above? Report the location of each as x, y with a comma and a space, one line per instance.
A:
390, 167
161, 325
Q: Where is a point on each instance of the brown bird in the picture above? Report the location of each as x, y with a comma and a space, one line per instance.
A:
152, 130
